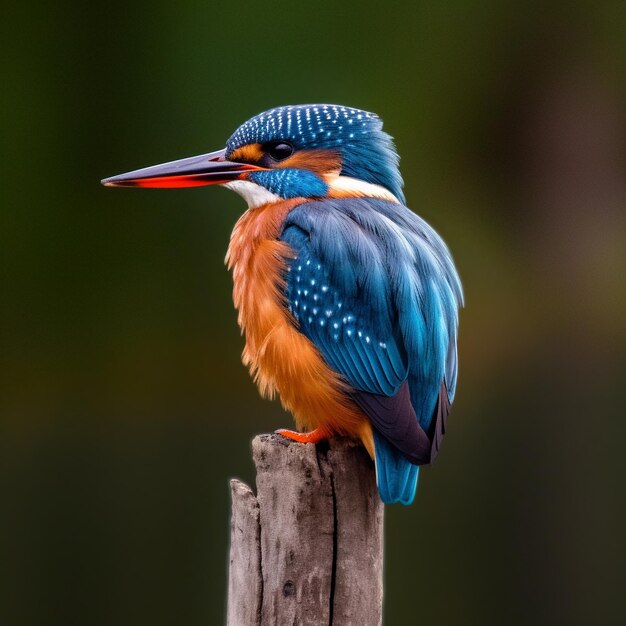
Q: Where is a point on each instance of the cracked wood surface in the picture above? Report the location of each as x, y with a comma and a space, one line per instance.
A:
308, 548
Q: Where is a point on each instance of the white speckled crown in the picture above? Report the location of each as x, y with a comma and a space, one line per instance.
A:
310, 125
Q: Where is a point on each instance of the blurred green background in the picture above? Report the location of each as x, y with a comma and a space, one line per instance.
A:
125, 408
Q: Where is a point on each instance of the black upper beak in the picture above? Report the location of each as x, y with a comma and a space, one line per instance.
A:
206, 169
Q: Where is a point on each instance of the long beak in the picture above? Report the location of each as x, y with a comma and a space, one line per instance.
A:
206, 169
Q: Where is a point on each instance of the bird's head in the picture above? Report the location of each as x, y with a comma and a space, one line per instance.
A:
310, 151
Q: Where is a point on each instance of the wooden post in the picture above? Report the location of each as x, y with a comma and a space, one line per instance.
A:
308, 548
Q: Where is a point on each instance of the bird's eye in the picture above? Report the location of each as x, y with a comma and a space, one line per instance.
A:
279, 151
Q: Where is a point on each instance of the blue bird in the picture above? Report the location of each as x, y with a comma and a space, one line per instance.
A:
347, 299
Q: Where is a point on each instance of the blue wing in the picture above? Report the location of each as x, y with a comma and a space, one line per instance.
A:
367, 352
374, 288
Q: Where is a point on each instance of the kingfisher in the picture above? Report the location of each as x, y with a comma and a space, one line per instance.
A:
347, 299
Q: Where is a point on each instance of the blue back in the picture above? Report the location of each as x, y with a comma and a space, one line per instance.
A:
375, 289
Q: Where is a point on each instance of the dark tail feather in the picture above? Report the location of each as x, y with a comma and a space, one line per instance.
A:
397, 461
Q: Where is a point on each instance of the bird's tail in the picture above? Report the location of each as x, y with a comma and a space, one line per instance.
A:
396, 477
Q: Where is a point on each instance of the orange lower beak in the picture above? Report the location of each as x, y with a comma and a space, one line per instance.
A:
206, 169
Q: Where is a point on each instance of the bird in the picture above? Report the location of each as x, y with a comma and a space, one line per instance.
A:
348, 300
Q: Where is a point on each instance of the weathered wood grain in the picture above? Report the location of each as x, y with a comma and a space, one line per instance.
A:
308, 548
245, 584
359, 530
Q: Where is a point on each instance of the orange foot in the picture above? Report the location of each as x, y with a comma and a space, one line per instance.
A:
315, 436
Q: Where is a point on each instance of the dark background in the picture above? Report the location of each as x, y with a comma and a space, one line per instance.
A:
125, 408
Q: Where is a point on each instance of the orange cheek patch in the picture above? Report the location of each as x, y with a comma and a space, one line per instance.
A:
318, 161
252, 153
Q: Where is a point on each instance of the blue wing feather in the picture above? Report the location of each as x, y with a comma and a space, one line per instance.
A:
339, 323
375, 289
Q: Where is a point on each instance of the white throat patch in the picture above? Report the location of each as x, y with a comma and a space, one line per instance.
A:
253, 194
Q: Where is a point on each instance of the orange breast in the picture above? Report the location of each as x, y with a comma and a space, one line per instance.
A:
280, 358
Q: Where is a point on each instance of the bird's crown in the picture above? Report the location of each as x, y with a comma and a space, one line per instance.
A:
306, 126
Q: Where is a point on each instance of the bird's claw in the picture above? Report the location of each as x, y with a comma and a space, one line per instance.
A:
315, 436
